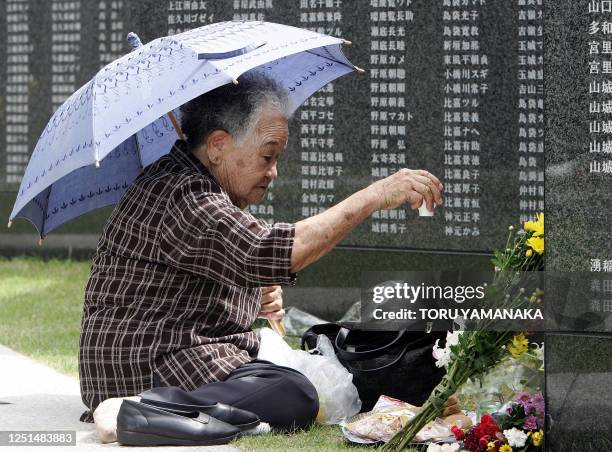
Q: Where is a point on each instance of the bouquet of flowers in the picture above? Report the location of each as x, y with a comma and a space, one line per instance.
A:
470, 354
519, 429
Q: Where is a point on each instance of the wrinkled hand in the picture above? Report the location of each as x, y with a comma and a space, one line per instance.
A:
272, 303
451, 406
408, 186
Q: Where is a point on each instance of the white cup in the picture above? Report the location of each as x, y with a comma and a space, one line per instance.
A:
423, 212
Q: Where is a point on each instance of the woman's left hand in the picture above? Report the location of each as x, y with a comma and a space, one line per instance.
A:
272, 303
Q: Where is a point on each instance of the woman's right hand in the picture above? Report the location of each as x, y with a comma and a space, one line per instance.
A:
408, 186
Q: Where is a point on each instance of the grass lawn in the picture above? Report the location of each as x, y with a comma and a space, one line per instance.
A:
40, 307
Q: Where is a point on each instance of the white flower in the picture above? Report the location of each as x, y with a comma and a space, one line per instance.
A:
442, 355
515, 437
538, 351
452, 338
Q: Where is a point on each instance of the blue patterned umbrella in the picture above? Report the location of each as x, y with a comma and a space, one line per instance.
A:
102, 137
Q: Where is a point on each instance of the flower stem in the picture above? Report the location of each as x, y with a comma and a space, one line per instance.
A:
432, 408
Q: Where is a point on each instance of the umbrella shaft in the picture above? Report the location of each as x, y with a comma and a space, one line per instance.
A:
176, 125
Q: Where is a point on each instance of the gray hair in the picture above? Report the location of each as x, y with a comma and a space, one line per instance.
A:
233, 108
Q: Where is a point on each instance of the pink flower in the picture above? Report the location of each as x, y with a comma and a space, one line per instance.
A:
523, 397
538, 402
531, 423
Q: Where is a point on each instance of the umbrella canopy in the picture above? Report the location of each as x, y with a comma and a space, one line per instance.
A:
99, 140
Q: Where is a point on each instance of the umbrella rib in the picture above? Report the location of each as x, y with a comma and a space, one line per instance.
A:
93, 124
42, 226
332, 59
138, 151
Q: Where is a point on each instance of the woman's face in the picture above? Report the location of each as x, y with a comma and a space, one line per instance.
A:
245, 171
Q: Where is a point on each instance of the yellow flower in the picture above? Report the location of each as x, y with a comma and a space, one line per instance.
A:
540, 220
537, 243
537, 227
529, 252
505, 448
537, 438
491, 447
518, 345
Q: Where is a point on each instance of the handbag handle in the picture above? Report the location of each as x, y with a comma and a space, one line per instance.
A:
400, 355
328, 329
368, 354
375, 353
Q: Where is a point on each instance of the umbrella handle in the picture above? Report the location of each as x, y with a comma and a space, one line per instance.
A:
176, 125
135, 42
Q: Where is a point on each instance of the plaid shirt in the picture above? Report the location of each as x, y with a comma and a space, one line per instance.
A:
174, 285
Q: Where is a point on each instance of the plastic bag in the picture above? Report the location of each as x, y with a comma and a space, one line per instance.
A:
353, 314
338, 397
297, 321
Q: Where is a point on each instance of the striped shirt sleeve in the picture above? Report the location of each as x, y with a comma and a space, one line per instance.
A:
205, 234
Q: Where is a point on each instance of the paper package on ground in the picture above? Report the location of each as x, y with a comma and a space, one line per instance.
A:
387, 417
338, 396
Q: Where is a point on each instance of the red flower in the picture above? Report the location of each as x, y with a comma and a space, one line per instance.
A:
482, 443
458, 432
487, 427
478, 438
471, 442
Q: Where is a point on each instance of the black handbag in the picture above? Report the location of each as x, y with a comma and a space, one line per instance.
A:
398, 364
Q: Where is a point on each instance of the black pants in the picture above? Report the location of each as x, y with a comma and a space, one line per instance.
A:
280, 396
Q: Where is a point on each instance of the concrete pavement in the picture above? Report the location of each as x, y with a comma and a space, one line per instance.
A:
35, 397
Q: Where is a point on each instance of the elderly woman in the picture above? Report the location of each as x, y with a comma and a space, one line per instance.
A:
182, 270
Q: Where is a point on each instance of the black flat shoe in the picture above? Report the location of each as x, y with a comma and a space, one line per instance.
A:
139, 424
242, 419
